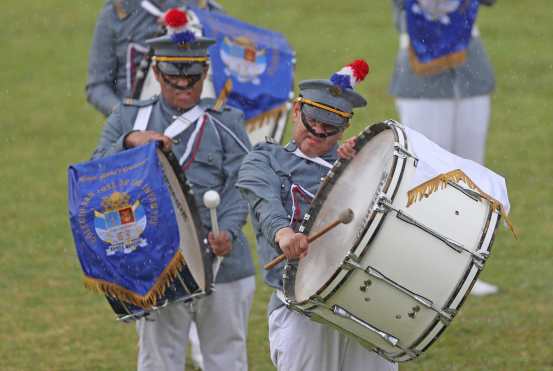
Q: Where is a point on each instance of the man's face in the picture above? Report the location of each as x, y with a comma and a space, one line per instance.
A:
308, 143
181, 92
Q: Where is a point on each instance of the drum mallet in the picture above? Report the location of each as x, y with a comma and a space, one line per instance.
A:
211, 201
345, 217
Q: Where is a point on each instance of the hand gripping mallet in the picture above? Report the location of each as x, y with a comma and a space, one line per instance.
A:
345, 217
211, 201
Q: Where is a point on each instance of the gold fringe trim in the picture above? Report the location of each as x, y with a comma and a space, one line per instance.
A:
440, 182
343, 114
222, 98
146, 301
258, 121
436, 65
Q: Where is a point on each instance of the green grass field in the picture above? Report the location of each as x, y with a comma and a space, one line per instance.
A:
49, 321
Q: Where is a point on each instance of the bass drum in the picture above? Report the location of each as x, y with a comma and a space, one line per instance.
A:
394, 277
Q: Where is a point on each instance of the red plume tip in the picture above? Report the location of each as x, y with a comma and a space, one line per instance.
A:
175, 18
360, 69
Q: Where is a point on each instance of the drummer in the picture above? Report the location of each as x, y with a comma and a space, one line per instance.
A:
211, 143
279, 184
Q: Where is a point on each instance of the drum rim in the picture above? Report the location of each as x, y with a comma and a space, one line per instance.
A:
201, 233
327, 185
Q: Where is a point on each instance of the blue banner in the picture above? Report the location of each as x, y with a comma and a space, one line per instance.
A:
124, 225
259, 62
439, 28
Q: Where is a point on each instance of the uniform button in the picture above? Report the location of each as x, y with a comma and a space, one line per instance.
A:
282, 185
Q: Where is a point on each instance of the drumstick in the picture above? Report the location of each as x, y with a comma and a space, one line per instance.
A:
345, 217
211, 201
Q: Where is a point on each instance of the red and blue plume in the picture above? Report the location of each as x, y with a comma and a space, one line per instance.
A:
176, 20
351, 74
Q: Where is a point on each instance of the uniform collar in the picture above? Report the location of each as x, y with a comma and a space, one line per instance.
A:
330, 156
168, 112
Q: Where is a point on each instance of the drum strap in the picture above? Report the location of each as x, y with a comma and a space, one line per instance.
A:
182, 123
151, 8
133, 50
295, 191
316, 160
142, 118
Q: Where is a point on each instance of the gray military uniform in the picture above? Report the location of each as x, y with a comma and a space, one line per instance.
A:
451, 108
222, 317
119, 24
473, 78
267, 179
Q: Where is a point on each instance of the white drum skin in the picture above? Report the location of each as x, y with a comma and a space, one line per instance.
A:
416, 281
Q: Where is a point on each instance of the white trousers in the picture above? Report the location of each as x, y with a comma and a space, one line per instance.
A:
222, 322
299, 344
459, 125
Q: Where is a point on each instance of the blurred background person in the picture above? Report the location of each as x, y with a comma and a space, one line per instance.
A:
443, 78
118, 46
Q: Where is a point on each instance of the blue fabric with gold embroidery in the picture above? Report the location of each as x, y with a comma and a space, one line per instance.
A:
258, 61
122, 219
439, 28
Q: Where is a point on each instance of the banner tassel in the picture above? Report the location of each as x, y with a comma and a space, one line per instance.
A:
152, 296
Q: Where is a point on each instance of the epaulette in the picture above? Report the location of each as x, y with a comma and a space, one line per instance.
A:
209, 104
120, 10
140, 102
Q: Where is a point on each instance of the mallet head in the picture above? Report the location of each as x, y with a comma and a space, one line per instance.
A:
346, 216
211, 199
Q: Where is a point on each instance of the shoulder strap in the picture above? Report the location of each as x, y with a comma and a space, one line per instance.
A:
230, 132
142, 118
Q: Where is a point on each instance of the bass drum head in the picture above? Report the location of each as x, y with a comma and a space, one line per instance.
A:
190, 240
354, 187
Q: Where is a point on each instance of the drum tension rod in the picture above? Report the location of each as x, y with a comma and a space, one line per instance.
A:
352, 262
468, 192
384, 205
341, 312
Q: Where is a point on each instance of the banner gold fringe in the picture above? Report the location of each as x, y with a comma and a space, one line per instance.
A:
257, 121
425, 189
146, 301
436, 65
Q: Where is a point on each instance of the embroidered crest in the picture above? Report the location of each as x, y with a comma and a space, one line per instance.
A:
243, 60
120, 224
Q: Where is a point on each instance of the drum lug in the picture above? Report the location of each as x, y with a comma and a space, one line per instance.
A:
351, 262
383, 204
401, 152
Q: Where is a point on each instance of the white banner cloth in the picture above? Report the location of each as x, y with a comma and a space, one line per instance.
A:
434, 160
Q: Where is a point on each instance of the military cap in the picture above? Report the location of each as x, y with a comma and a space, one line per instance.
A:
182, 51
332, 101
